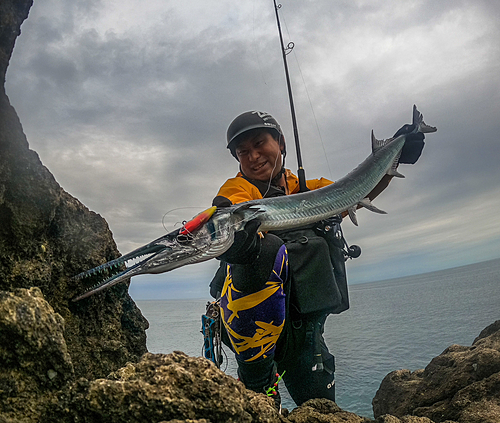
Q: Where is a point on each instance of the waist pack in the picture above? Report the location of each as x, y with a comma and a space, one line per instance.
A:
316, 260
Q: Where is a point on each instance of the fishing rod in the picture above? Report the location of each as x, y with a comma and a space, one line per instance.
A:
284, 51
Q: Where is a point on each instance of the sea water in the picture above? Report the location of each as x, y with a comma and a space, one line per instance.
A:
395, 324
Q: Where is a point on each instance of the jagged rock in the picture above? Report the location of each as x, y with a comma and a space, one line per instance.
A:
34, 360
323, 411
36, 375
47, 236
387, 418
461, 384
487, 331
163, 388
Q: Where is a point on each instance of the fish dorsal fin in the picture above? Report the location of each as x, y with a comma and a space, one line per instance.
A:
378, 144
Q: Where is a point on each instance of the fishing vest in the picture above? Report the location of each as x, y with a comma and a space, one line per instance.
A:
316, 258
316, 261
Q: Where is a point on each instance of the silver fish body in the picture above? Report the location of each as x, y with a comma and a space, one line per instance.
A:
292, 211
213, 238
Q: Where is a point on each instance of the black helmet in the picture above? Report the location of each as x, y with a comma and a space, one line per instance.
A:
248, 121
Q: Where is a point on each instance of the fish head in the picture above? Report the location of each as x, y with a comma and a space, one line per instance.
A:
175, 249
209, 240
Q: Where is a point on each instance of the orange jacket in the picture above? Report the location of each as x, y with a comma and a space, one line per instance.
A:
238, 189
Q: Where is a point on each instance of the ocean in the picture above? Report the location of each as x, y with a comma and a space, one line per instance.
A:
395, 324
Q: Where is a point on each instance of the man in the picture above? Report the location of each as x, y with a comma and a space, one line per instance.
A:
276, 289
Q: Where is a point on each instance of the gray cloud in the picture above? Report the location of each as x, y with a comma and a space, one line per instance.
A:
128, 108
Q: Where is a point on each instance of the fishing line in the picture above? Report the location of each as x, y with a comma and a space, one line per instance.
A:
314, 116
207, 237
310, 102
258, 53
217, 231
232, 225
177, 223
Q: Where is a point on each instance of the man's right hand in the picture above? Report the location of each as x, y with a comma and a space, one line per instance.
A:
246, 245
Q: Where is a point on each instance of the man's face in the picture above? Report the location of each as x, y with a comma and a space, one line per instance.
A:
260, 156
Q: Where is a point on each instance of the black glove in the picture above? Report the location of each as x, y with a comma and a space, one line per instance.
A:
414, 144
246, 245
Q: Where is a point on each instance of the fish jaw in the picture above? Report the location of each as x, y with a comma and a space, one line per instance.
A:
113, 270
109, 282
169, 252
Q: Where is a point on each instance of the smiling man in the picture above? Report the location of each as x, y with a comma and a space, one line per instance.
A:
259, 154
253, 281
256, 140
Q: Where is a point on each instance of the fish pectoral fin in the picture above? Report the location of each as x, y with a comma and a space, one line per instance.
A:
245, 206
367, 204
393, 171
253, 208
351, 211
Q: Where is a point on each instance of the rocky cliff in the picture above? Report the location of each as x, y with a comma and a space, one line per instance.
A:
462, 384
47, 236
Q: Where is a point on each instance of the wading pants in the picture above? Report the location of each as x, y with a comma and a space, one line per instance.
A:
263, 334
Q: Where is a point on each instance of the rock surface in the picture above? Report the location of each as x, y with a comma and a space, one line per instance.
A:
34, 359
38, 383
47, 236
162, 388
322, 410
461, 384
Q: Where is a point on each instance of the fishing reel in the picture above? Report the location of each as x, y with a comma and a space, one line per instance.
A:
354, 251
332, 226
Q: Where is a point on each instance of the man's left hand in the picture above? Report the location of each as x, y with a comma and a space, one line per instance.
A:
413, 147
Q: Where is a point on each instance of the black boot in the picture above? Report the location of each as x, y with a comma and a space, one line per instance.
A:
261, 377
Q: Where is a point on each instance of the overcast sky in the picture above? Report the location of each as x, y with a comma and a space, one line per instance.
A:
127, 104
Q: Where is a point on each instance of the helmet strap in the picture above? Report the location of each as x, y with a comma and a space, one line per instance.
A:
275, 180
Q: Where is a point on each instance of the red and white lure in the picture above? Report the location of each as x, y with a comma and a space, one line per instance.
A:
197, 221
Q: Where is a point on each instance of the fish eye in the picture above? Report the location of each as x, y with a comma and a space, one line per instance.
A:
181, 238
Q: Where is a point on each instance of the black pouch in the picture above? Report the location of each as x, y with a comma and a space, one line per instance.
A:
331, 231
314, 286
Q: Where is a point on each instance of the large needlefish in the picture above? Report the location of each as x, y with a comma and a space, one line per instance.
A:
211, 233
